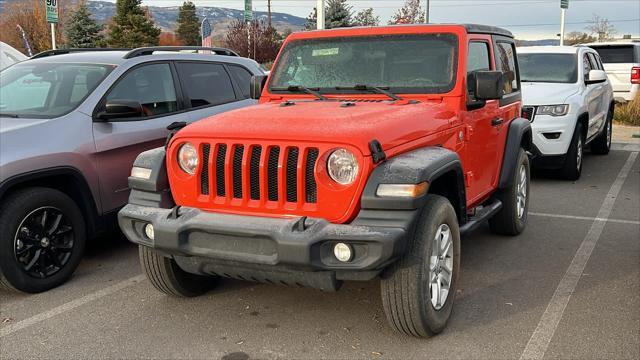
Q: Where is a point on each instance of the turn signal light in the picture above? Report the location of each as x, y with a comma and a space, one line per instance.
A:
402, 190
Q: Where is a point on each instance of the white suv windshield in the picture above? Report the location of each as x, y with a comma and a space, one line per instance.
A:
551, 68
618, 54
423, 63
47, 90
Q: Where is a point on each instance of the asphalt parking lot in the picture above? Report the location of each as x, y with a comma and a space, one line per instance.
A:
569, 287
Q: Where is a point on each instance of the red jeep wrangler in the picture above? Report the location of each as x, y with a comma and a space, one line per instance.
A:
371, 151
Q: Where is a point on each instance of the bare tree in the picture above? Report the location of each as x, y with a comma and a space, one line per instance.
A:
410, 13
264, 40
601, 28
578, 37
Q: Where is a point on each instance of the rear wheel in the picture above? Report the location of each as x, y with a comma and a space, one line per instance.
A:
42, 238
602, 144
572, 167
418, 290
166, 276
512, 218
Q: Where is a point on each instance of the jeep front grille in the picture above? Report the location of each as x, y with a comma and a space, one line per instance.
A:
251, 172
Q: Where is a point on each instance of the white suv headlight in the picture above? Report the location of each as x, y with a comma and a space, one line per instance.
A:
553, 110
188, 158
342, 166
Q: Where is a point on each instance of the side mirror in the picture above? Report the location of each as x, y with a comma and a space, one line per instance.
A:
487, 85
596, 76
257, 84
118, 109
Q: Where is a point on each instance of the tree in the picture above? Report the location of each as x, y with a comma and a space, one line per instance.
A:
366, 17
265, 40
188, 24
132, 26
29, 14
601, 28
578, 37
410, 13
81, 30
337, 13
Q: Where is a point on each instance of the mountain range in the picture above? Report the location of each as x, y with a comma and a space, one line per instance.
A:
219, 17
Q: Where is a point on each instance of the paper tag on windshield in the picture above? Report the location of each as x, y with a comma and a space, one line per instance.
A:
325, 52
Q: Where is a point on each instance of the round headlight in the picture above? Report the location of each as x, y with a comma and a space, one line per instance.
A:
188, 158
342, 166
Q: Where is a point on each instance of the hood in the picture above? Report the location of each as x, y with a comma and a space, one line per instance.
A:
537, 93
8, 124
390, 123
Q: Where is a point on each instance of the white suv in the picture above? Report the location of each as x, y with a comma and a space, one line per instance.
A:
569, 101
622, 63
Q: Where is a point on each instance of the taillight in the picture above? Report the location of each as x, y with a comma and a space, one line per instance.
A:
635, 75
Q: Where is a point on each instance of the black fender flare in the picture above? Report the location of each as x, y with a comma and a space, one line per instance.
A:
519, 136
413, 167
154, 191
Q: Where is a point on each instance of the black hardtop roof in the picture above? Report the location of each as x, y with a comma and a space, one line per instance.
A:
487, 29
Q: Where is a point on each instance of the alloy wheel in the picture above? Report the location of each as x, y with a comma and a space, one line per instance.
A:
43, 242
521, 195
579, 154
441, 266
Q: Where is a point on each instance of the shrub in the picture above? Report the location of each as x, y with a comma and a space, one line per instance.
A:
628, 113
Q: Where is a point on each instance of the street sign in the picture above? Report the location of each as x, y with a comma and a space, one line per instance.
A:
52, 11
564, 4
248, 11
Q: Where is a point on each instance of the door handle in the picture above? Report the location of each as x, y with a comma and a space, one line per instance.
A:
497, 122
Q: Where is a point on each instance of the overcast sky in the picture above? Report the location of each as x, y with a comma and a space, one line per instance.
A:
527, 19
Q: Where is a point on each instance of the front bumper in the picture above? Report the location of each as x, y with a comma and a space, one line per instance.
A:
225, 244
552, 134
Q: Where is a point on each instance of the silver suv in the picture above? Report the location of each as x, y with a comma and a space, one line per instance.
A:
71, 124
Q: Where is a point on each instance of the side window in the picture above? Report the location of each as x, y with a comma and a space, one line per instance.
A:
478, 56
205, 84
152, 86
595, 64
506, 62
586, 65
243, 79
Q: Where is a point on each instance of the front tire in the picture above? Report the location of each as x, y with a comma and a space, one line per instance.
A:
167, 277
512, 218
418, 290
42, 238
572, 168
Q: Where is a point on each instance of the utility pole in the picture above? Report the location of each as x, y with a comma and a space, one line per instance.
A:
426, 13
320, 15
269, 11
564, 5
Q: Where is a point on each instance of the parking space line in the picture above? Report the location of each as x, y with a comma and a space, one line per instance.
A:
541, 337
560, 216
69, 306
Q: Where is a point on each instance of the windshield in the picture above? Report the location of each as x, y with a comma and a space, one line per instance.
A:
423, 63
47, 90
550, 68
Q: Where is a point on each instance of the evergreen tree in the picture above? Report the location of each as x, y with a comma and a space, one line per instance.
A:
188, 24
81, 30
132, 26
366, 17
337, 13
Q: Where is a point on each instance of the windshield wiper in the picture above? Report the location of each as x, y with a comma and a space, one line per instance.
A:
15, 116
299, 88
377, 89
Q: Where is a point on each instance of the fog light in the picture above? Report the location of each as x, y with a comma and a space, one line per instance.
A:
148, 230
343, 252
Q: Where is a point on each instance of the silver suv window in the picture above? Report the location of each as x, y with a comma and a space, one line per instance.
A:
47, 90
152, 86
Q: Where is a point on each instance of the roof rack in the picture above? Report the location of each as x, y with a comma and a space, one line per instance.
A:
72, 50
150, 50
